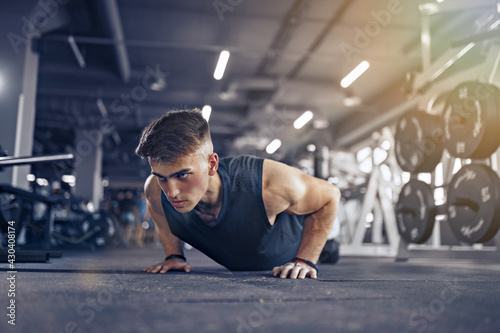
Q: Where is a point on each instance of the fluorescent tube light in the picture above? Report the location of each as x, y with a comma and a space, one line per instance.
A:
303, 119
221, 65
273, 146
206, 111
355, 74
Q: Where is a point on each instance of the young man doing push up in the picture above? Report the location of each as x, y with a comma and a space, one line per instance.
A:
246, 213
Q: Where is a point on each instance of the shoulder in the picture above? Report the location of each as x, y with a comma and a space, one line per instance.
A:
279, 178
245, 162
153, 193
242, 173
282, 187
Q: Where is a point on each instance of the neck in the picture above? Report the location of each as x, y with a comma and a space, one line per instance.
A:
213, 195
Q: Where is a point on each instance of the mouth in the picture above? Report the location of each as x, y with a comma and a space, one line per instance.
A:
178, 204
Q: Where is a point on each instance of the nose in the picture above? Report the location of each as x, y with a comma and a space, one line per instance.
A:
172, 190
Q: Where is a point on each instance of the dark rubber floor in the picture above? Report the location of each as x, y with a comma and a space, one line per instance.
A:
108, 292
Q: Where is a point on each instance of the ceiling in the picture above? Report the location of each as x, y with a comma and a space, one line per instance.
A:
134, 60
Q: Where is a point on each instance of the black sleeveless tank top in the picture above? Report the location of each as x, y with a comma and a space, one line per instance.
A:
242, 238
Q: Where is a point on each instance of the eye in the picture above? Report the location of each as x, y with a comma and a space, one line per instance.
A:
161, 179
182, 176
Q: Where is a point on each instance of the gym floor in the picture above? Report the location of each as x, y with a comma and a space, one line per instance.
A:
107, 291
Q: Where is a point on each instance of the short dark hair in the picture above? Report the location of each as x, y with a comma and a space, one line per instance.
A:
175, 134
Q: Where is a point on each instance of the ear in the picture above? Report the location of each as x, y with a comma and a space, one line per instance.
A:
213, 164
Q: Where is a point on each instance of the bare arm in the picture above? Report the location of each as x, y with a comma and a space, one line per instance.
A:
171, 244
287, 189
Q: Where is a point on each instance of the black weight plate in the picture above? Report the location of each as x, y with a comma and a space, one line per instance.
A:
415, 212
471, 120
496, 219
105, 225
419, 141
472, 203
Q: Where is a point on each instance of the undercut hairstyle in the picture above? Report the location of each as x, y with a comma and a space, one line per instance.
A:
173, 135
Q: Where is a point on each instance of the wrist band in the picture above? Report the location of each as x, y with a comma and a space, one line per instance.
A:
175, 256
307, 262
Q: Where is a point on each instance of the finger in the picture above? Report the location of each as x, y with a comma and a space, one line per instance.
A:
295, 271
150, 269
304, 273
286, 269
157, 269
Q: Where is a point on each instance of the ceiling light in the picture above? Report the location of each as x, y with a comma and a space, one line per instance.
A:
76, 51
352, 101
221, 65
273, 146
102, 108
303, 119
355, 74
105, 182
42, 182
30, 177
116, 138
321, 123
428, 8
68, 178
206, 111
311, 147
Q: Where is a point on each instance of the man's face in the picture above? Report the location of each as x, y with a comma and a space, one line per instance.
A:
184, 181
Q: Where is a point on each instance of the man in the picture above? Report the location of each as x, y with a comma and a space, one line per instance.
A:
246, 213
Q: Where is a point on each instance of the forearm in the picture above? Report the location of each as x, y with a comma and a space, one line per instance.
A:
171, 245
317, 227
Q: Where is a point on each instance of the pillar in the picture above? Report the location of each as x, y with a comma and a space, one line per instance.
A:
88, 167
26, 113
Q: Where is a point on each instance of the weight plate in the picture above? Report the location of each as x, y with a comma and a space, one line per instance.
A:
471, 120
415, 212
103, 227
419, 141
473, 203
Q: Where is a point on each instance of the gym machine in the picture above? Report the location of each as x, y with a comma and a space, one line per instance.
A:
62, 221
